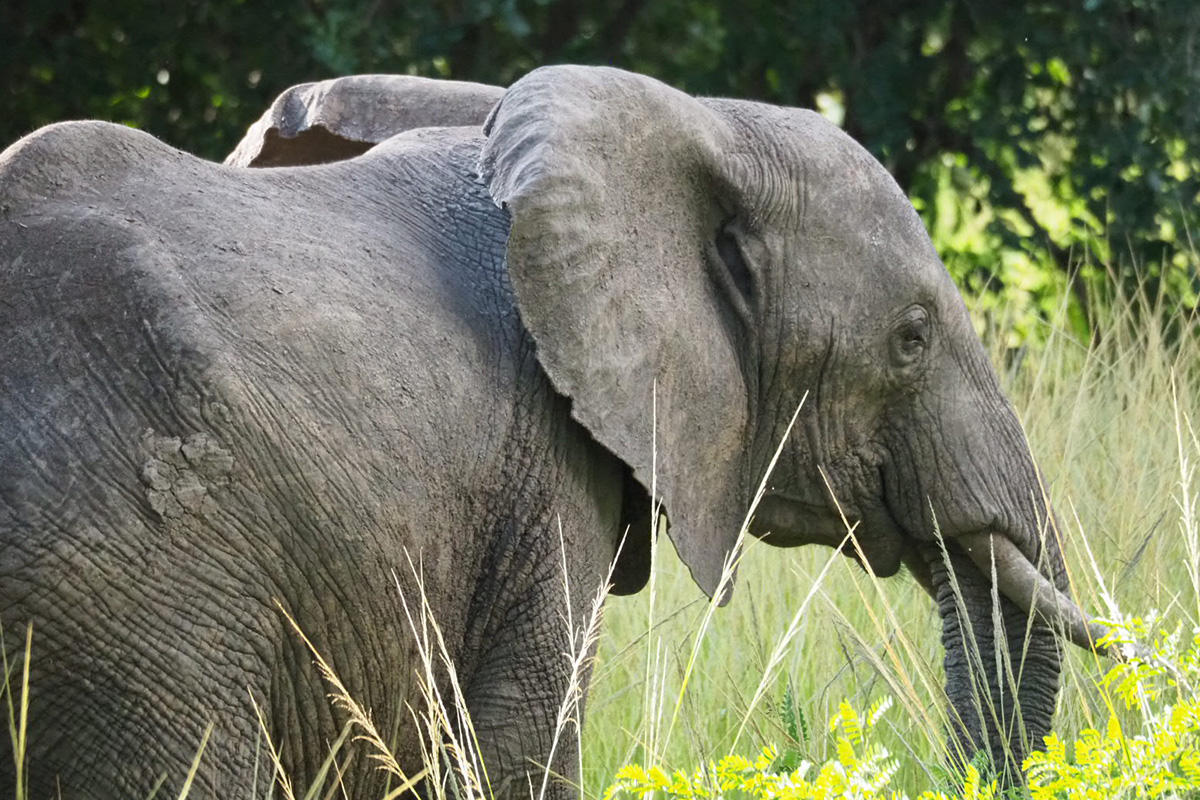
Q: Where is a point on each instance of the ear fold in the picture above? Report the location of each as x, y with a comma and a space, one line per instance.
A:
612, 181
315, 123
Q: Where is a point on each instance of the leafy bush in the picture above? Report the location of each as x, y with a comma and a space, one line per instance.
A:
1158, 755
862, 770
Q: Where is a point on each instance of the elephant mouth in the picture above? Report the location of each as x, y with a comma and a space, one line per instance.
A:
1022, 582
787, 520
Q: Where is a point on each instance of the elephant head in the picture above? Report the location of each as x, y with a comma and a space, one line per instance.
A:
691, 268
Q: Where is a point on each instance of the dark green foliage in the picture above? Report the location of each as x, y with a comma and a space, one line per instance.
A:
1035, 137
795, 727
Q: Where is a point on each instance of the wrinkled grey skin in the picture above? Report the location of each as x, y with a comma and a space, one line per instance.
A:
226, 389
316, 123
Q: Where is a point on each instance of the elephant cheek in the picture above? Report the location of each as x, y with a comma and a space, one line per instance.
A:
876, 542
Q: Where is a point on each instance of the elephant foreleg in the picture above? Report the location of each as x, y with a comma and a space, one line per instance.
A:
525, 706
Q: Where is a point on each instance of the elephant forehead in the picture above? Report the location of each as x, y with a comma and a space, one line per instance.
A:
856, 207
893, 247
794, 147
801, 176
864, 262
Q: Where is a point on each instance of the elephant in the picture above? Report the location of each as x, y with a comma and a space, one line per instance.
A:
470, 366
317, 123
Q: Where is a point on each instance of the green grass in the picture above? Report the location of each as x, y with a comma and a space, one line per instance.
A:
1109, 423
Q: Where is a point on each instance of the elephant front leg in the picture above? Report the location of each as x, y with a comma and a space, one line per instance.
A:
526, 706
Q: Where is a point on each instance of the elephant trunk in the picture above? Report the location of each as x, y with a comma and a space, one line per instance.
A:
999, 583
1002, 666
1001, 591
1019, 581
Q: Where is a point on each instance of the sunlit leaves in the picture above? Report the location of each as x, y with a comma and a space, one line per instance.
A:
861, 770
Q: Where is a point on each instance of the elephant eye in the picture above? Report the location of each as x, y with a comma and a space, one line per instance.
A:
910, 337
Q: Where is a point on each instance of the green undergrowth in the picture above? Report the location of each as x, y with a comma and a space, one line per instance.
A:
1154, 754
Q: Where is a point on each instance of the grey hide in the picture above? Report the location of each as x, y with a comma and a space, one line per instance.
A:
315, 123
443, 378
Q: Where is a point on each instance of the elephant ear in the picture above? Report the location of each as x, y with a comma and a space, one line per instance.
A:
613, 183
315, 123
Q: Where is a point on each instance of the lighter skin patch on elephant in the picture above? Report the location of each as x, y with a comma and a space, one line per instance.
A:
179, 473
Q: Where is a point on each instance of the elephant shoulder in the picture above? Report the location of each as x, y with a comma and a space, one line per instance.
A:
109, 227
428, 166
74, 161
436, 147
428, 181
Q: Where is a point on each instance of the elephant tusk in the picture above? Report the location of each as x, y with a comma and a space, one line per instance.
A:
1021, 582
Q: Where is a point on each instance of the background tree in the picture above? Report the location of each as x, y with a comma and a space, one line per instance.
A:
1040, 140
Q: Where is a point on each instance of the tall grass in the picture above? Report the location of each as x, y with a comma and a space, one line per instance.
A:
15, 692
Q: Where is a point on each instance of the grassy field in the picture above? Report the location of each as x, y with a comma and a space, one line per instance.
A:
1109, 423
